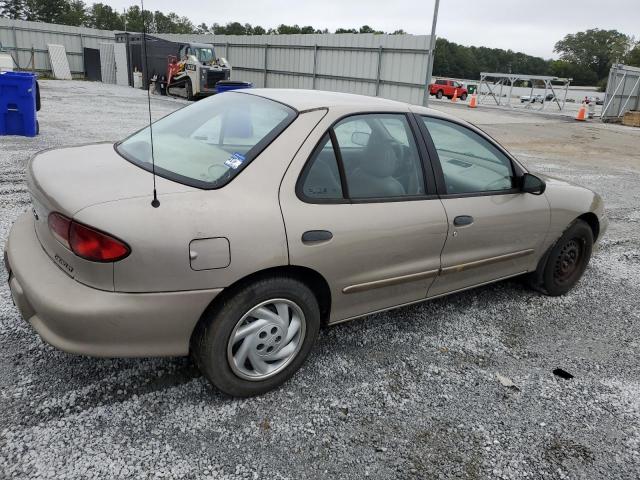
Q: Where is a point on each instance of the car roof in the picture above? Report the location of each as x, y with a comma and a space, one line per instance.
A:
302, 100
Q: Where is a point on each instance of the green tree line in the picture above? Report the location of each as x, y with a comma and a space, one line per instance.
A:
584, 56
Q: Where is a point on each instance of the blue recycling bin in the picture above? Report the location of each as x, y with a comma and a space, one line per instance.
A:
227, 85
18, 104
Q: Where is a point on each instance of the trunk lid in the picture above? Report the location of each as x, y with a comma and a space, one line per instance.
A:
68, 180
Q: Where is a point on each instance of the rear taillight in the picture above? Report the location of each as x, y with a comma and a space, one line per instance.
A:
86, 242
59, 226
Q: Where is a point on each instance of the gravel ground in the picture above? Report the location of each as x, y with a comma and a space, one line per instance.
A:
412, 393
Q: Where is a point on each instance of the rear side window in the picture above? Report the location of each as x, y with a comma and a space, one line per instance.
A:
380, 157
208, 143
321, 180
369, 156
441, 82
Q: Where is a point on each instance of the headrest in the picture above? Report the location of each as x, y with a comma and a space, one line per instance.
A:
380, 160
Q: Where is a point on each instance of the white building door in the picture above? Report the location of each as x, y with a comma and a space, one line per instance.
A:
108, 62
120, 53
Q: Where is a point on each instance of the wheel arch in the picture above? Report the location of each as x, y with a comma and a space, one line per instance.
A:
311, 278
592, 220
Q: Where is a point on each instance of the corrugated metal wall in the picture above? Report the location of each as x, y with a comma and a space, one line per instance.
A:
18, 37
623, 92
390, 66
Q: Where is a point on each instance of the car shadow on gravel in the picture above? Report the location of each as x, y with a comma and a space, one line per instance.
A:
72, 384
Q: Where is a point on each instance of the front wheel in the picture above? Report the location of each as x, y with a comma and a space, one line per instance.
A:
463, 97
258, 338
566, 262
188, 88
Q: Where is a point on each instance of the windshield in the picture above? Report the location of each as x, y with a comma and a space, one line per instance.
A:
208, 143
204, 55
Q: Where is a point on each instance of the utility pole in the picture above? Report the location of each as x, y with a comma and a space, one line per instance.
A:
432, 48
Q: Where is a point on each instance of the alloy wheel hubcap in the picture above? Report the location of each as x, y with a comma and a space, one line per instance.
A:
266, 339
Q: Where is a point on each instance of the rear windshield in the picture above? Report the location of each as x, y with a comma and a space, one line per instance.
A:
208, 143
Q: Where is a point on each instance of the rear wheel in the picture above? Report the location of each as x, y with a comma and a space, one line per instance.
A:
439, 94
258, 338
567, 260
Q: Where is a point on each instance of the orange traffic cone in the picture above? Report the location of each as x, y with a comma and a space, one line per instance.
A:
473, 103
455, 95
582, 113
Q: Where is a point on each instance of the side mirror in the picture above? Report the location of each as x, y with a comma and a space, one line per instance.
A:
532, 184
360, 138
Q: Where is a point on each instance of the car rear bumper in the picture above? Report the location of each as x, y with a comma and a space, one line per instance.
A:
79, 319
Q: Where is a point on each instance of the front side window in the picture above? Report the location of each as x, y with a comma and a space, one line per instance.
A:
379, 156
204, 55
470, 163
208, 143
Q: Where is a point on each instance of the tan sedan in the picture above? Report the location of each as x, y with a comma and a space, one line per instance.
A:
278, 211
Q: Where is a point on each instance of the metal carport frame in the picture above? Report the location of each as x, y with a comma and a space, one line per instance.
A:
502, 79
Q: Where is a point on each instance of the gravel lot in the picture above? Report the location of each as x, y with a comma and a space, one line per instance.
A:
411, 393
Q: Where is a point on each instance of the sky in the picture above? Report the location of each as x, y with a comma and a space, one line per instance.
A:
524, 26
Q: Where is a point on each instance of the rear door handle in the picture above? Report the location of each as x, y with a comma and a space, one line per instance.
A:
462, 220
314, 236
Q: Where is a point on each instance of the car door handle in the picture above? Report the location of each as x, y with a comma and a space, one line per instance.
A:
462, 220
314, 236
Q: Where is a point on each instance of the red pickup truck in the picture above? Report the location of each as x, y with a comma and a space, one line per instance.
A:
446, 88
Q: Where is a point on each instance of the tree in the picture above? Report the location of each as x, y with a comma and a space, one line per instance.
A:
49, 11
346, 30
179, 24
258, 30
232, 28
75, 14
136, 22
459, 61
596, 49
171, 23
399, 32
633, 58
287, 29
104, 17
581, 74
202, 29
12, 9
368, 29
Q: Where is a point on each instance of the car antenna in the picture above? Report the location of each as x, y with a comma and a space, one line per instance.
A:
155, 203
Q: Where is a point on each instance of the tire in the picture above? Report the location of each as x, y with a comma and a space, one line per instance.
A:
439, 94
38, 103
562, 267
463, 97
188, 89
216, 353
